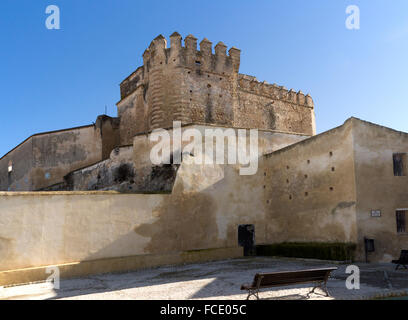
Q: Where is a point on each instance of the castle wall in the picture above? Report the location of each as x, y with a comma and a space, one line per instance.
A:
267, 106
132, 111
109, 130
81, 227
378, 189
146, 174
309, 190
110, 231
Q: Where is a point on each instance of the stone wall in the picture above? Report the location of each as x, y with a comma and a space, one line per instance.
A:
266, 106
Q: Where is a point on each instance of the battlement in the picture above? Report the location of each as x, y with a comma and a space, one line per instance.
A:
159, 55
273, 91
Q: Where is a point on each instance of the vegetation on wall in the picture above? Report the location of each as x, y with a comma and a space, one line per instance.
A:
310, 250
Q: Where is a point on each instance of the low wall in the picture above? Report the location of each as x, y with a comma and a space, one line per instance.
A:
89, 232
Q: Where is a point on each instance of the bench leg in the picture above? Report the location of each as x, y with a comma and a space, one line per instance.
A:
254, 293
311, 291
322, 286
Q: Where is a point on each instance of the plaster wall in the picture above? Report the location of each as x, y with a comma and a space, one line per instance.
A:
378, 189
309, 190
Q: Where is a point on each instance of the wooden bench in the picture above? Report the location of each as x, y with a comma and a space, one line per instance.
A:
318, 277
402, 261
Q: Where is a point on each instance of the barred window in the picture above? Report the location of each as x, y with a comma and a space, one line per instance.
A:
400, 214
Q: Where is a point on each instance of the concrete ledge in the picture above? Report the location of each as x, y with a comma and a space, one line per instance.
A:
122, 264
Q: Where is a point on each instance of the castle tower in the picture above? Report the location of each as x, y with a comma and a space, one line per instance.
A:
183, 83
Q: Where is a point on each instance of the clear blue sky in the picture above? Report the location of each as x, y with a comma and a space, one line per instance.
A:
54, 79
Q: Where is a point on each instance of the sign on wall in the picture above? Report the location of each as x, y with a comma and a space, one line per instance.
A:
375, 213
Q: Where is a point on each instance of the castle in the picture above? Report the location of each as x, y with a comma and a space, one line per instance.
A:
94, 202
179, 83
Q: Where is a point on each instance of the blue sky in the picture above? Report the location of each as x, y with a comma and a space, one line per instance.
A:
54, 79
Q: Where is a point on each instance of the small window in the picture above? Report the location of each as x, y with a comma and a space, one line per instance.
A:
400, 214
399, 161
10, 167
198, 63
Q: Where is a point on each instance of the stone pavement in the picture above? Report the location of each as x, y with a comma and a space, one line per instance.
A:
216, 280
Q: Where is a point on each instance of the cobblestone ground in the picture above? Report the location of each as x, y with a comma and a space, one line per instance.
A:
216, 280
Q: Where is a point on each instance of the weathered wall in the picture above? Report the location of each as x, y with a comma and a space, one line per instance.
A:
266, 106
378, 189
197, 86
21, 159
132, 111
54, 228
57, 153
109, 131
44, 159
152, 178
203, 212
309, 191
115, 173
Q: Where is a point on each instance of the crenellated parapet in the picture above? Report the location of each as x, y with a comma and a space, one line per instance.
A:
159, 55
252, 85
192, 57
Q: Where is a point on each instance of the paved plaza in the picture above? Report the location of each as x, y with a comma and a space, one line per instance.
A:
217, 280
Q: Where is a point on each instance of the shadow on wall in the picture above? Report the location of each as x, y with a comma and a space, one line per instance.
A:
185, 221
